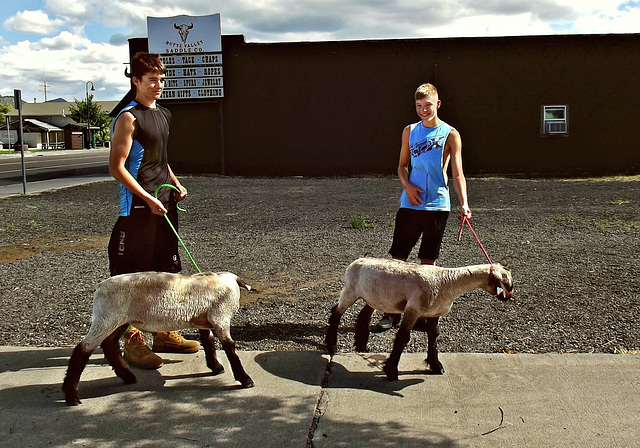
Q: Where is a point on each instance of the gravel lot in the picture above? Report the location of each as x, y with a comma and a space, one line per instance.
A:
572, 247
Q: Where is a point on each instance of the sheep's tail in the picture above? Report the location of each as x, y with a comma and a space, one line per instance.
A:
243, 284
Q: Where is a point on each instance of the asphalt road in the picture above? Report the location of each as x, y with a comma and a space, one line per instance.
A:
52, 164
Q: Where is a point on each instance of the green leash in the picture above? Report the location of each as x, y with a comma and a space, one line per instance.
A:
173, 228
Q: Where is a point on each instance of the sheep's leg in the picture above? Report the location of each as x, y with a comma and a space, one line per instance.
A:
77, 363
208, 344
331, 340
400, 342
433, 332
100, 331
391, 366
362, 328
347, 298
229, 347
111, 348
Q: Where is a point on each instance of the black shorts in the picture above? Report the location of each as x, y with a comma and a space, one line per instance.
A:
143, 241
410, 224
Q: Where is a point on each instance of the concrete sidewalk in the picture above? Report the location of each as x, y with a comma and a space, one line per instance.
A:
38, 186
300, 399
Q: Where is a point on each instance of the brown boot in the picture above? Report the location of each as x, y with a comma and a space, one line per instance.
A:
172, 342
138, 353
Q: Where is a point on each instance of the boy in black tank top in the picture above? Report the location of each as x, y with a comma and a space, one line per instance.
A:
142, 240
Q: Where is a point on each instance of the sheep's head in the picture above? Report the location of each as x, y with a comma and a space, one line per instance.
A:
501, 281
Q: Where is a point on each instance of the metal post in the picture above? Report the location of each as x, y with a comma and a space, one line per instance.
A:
17, 96
8, 131
86, 90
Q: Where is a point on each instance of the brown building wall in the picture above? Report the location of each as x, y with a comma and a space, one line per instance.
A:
332, 108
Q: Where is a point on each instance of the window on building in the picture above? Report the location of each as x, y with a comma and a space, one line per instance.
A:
555, 119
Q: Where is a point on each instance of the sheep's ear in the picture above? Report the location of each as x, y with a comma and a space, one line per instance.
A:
504, 262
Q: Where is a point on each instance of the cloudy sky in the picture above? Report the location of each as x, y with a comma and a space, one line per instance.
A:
65, 43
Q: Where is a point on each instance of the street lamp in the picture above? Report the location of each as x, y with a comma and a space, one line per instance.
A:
86, 90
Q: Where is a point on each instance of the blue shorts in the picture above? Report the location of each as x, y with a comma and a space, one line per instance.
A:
410, 225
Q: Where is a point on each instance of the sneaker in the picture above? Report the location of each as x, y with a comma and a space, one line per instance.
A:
138, 353
386, 322
172, 342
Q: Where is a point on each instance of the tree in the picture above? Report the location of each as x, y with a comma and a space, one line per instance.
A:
96, 116
4, 108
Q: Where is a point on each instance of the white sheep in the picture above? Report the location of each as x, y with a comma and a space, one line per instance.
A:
417, 291
159, 301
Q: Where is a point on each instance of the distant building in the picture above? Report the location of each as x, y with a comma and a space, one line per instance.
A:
47, 125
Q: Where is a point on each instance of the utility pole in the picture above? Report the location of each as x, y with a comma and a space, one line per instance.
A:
44, 85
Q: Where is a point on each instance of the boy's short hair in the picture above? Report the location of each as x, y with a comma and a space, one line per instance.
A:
425, 90
144, 62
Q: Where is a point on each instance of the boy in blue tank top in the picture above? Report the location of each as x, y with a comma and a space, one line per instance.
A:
428, 147
142, 240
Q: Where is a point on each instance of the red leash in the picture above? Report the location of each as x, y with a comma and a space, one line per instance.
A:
466, 219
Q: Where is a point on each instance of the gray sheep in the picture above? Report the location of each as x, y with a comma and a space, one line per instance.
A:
158, 301
417, 291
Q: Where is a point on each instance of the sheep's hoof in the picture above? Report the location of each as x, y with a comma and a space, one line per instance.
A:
247, 383
72, 400
217, 369
435, 368
127, 376
392, 374
70, 393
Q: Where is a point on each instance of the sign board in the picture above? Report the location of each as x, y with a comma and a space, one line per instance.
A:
184, 34
190, 48
180, 83
193, 71
197, 59
182, 94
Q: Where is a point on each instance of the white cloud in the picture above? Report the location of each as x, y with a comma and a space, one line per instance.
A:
66, 61
70, 58
36, 22
63, 41
611, 20
71, 8
484, 26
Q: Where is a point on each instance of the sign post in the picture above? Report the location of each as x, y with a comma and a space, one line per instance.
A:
17, 96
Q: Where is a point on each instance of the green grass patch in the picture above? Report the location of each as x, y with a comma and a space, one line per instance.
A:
614, 223
568, 218
620, 202
360, 221
625, 351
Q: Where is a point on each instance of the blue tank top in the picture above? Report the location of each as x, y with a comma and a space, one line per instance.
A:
426, 146
148, 158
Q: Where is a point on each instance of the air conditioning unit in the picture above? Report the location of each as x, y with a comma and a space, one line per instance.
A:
556, 127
